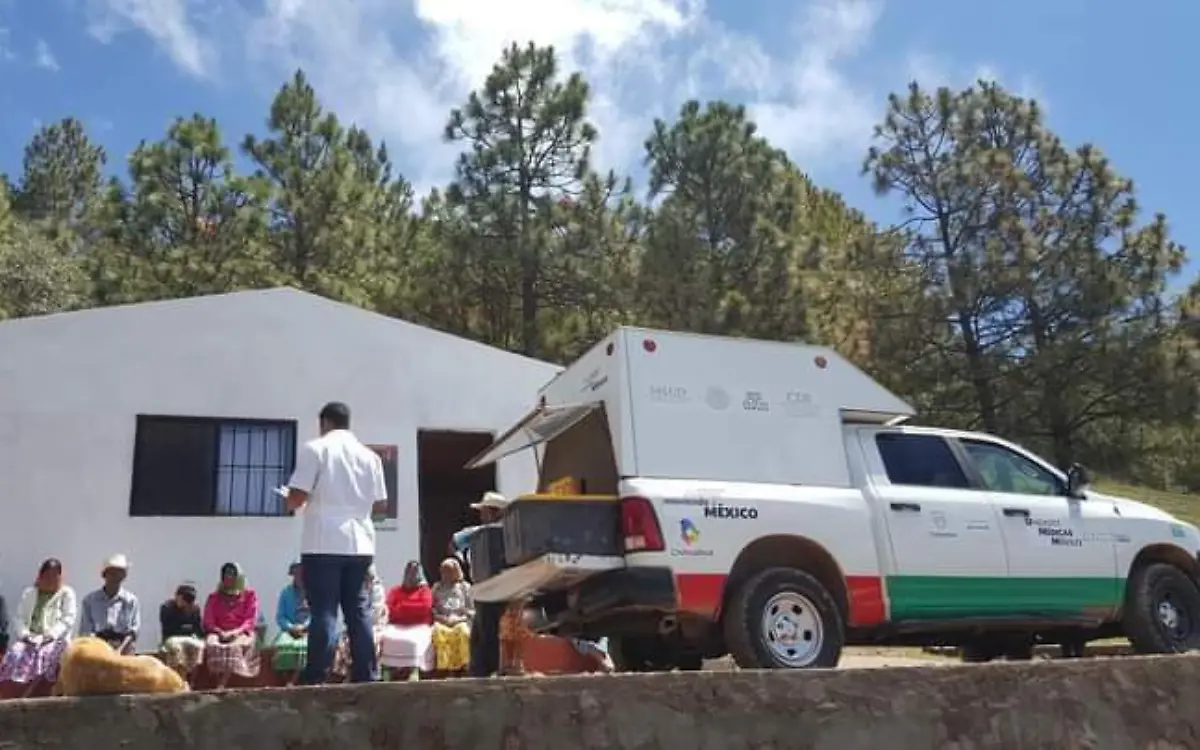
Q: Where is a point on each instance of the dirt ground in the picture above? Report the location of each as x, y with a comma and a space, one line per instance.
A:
867, 658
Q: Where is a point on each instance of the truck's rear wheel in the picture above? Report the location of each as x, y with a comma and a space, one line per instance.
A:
637, 654
783, 618
651, 654
1162, 610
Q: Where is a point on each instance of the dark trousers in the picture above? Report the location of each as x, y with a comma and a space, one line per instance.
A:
485, 639
330, 582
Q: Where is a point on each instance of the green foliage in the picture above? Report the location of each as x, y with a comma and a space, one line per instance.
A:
37, 275
1024, 292
527, 145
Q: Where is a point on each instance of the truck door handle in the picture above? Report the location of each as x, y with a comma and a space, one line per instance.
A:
1016, 512
901, 507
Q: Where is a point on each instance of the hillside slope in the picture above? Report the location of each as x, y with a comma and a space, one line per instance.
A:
1185, 507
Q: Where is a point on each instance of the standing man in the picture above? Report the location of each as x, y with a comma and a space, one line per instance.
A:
485, 628
339, 483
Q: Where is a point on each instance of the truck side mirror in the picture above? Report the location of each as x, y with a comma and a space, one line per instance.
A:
1078, 480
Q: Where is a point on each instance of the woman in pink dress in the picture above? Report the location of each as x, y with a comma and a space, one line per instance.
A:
230, 616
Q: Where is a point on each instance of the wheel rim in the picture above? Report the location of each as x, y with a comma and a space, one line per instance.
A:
1174, 619
792, 630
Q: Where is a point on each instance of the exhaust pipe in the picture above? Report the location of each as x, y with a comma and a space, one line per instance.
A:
668, 625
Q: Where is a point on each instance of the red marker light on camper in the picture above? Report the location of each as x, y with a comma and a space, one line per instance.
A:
822, 363
649, 345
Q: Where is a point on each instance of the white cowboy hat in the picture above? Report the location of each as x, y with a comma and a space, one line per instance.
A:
491, 500
118, 561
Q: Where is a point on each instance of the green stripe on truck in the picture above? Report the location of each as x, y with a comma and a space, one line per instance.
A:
938, 597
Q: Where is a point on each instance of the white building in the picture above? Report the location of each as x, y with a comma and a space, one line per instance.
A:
158, 430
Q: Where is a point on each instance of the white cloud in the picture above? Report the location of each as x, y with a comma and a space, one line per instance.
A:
6, 52
43, 57
398, 66
643, 58
171, 24
404, 91
820, 110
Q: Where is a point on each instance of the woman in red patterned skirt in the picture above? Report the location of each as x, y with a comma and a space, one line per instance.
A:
230, 615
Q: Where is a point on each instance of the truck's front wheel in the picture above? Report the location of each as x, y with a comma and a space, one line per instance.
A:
1162, 610
783, 618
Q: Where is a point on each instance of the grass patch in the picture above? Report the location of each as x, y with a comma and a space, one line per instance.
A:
1184, 507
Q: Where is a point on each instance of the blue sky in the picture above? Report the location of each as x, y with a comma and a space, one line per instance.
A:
814, 72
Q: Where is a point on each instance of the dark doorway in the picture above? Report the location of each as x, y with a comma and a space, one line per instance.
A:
446, 490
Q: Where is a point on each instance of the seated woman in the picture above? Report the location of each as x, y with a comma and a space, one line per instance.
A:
112, 612
230, 616
182, 631
452, 614
292, 615
379, 619
45, 622
406, 647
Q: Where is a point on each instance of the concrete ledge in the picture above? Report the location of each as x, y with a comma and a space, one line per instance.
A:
1100, 704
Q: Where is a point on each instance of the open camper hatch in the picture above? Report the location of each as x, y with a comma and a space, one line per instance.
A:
673, 406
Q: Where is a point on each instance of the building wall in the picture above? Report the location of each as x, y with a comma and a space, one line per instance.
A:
71, 386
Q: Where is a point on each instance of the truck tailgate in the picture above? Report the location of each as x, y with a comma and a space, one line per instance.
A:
552, 571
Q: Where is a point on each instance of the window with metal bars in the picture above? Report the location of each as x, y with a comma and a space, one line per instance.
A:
194, 466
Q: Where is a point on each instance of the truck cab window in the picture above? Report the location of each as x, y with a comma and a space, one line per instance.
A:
920, 460
1002, 470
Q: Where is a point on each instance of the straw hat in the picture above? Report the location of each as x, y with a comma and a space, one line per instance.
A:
492, 500
117, 561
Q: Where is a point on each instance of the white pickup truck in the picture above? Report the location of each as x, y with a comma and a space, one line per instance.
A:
772, 506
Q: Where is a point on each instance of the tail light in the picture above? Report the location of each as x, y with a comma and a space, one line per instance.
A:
639, 526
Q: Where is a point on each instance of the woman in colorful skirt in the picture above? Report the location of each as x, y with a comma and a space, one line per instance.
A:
292, 615
182, 631
452, 614
45, 622
379, 618
230, 616
406, 646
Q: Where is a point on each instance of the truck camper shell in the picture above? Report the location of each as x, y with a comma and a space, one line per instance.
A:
659, 404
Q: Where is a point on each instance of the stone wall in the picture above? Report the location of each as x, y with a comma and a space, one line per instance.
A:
1100, 704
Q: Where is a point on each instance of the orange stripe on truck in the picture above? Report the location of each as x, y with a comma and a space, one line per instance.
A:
701, 594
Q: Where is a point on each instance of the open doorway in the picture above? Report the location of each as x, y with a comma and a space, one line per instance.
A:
446, 490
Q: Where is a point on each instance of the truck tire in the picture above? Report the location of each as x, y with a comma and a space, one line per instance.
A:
651, 654
633, 654
689, 661
1162, 610
977, 653
783, 618
1019, 651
